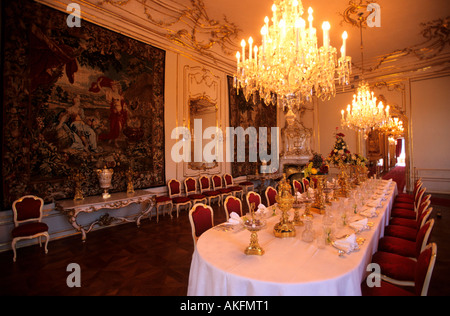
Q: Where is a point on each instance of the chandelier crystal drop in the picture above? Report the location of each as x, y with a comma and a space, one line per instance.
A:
364, 113
290, 67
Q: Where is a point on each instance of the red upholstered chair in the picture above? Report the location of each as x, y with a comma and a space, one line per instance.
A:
246, 185
404, 247
410, 197
166, 203
411, 223
178, 200
305, 184
271, 193
402, 216
407, 228
417, 275
201, 217
237, 190
205, 189
313, 182
411, 213
233, 204
217, 186
27, 212
411, 206
253, 198
190, 187
298, 187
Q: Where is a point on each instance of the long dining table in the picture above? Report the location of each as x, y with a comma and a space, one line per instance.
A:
289, 266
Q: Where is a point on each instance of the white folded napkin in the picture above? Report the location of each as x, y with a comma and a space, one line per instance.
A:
262, 208
235, 219
348, 244
369, 212
360, 225
374, 203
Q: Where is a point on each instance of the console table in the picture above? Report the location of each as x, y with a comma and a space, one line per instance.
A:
92, 204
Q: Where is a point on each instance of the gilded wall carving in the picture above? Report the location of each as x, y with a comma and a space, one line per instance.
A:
187, 26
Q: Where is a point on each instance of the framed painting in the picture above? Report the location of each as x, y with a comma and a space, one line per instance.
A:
76, 99
253, 113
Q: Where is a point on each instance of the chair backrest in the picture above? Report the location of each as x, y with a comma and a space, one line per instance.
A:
217, 182
253, 198
201, 217
205, 184
298, 186
418, 200
174, 187
423, 236
424, 269
423, 206
228, 180
417, 187
271, 193
190, 185
27, 208
233, 204
305, 183
424, 217
313, 182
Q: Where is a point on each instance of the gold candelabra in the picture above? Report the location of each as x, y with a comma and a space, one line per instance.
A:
130, 175
254, 226
285, 200
78, 179
319, 198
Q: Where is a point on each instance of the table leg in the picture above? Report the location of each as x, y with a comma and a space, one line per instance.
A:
149, 208
73, 222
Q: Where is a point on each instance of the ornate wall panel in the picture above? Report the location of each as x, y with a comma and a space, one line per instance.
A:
201, 89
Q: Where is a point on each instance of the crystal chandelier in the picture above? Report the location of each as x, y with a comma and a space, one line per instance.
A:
364, 114
393, 128
289, 67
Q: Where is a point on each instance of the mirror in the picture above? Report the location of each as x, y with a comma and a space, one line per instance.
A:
207, 111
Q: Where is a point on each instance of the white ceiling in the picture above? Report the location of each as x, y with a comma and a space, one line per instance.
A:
400, 21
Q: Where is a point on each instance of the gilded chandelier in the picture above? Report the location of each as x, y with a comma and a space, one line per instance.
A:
289, 67
364, 113
393, 128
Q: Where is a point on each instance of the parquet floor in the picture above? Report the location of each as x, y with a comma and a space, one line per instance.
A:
153, 260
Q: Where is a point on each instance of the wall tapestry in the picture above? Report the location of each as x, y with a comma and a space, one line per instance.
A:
245, 114
75, 100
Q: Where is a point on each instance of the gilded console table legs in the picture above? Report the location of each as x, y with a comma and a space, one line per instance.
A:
94, 204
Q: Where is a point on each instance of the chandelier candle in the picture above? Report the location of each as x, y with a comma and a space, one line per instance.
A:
289, 67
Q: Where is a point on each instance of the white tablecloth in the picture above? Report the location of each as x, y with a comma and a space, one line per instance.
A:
289, 267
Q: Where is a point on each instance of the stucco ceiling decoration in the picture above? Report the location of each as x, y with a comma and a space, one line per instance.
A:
431, 55
355, 9
188, 25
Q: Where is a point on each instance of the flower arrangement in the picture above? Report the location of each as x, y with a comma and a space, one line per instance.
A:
340, 153
358, 160
317, 166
